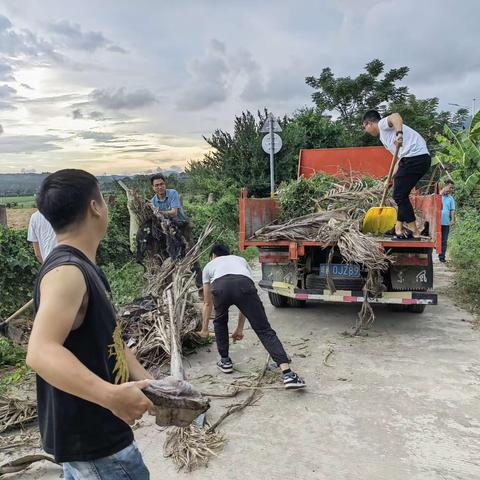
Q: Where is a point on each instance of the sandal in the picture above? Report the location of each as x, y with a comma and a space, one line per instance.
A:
405, 235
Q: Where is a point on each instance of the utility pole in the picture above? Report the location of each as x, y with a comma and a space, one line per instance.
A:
272, 155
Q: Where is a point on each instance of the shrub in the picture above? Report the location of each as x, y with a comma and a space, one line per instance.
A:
126, 282
464, 246
115, 247
18, 268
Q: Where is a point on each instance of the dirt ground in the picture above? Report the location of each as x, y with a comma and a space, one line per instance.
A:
400, 403
19, 217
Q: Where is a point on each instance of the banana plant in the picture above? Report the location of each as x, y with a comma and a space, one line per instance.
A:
461, 150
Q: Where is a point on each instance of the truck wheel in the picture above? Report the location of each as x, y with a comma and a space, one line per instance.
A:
277, 300
416, 308
296, 302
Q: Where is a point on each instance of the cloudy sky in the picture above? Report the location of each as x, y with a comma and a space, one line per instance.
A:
119, 86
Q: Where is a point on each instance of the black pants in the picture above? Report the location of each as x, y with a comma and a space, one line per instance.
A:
240, 291
445, 232
410, 171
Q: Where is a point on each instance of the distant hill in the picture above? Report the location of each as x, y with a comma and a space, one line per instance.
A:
29, 183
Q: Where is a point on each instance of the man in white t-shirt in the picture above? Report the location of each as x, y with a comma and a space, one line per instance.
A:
227, 281
42, 236
414, 162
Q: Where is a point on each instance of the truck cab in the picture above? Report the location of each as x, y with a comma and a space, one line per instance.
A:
296, 272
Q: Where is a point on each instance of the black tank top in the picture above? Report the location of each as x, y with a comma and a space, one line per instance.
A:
73, 429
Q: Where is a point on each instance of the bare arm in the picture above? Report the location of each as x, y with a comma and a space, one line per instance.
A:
170, 213
62, 291
135, 368
452, 217
238, 332
38, 253
207, 309
395, 121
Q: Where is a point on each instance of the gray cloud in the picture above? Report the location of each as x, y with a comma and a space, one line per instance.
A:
208, 83
1, 129
216, 75
96, 115
28, 143
6, 91
14, 44
7, 106
77, 114
116, 49
97, 136
28, 87
71, 36
121, 99
6, 72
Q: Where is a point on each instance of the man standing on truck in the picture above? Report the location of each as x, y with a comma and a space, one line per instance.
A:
448, 216
414, 162
228, 280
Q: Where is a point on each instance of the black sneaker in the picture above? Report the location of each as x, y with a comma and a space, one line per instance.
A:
292, 381
225, 365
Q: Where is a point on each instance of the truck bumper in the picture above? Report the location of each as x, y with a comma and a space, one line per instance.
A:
348, 296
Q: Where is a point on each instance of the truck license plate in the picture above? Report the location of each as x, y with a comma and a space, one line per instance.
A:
340, 270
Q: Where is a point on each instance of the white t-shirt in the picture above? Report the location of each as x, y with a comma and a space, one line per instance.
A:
413, 142
226, 265
40, 230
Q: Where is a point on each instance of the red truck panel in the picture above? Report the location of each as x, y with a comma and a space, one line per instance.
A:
369, 161
372, 161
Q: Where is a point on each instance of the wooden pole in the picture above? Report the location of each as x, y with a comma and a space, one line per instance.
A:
17, 313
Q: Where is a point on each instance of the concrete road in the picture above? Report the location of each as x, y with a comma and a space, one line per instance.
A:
401, 403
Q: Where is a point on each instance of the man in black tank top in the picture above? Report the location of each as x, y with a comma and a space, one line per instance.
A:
89, 384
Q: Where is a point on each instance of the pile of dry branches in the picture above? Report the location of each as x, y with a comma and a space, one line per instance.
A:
355, 196
337, 225
15, 412
169, 290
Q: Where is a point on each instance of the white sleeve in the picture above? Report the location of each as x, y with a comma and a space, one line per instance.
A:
249, 268
206, 274
31, 235
383, 124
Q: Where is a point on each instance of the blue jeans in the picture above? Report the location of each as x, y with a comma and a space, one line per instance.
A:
127, 464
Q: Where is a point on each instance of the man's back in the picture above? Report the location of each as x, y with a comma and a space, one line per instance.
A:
40, 230
226, 265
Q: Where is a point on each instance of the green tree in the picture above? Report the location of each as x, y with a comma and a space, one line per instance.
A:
352, 96
424, 116
238, 160
459, 153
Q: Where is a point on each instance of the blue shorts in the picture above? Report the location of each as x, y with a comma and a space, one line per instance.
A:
127, 464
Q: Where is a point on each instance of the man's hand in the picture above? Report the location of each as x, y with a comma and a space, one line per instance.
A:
237, 334
128, 402
204, 333
452, 223
399, 140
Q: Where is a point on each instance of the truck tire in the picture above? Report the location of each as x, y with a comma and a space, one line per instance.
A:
296, 302
277, 300
416, 308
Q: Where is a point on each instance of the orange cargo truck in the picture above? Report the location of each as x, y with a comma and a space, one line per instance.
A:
295, 272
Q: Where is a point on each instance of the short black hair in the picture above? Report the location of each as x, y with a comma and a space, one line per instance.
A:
65, 195
219, 250
157, 176
449, 182
372, 116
